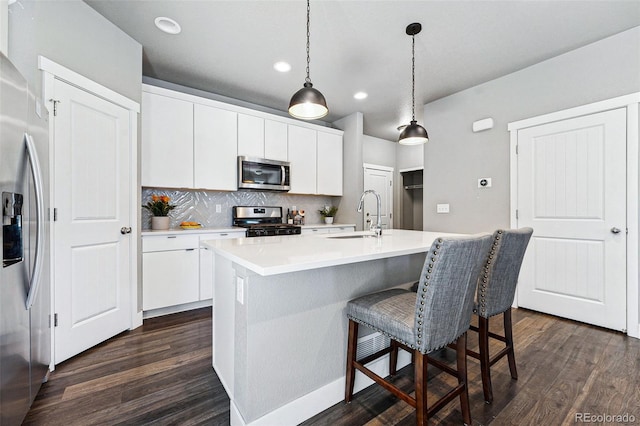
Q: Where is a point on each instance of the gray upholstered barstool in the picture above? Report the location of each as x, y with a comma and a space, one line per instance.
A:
496, 290
440, 313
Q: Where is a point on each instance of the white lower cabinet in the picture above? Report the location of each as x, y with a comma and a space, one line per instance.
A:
176, 270
207, 261
327, 229
170, 268
338, 229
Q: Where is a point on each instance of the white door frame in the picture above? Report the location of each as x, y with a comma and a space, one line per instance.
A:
631, 103
391, 201
50, 72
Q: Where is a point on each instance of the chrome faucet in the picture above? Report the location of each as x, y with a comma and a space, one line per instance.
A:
377, 229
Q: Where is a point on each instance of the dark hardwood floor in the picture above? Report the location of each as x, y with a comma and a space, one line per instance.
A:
161, 374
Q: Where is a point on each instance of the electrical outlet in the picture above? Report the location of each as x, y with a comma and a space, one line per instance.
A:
218, 208
442, 208
240, 290
484, 183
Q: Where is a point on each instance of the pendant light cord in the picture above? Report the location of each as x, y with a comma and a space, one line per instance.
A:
308, 79
413, 77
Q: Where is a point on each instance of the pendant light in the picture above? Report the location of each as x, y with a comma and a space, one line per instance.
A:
308, 103
413, 134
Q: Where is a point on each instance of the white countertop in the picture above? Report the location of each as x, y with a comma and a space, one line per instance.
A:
291, 253
325, 225
175, 231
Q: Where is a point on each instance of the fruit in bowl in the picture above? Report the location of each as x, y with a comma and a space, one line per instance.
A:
190, 225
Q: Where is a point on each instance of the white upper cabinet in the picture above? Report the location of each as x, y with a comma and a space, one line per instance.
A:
215, 155
302, 156
193, 142
262, 138
167, 142
275, 140
250, 136
329, 163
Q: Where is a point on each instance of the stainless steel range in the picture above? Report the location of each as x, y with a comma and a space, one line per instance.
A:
262, 221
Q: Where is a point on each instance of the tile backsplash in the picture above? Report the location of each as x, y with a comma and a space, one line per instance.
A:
200, 206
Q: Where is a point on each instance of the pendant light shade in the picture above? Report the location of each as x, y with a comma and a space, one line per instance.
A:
413, 134
308, 103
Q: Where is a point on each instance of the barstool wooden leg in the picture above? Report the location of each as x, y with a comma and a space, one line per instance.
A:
508, 334
461, 357
485, 367
393, 358
351, 358
420, 378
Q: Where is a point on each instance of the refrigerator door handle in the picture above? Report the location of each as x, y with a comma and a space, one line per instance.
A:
36, 172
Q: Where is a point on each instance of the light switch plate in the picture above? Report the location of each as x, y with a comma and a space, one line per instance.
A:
442, 208
218, 208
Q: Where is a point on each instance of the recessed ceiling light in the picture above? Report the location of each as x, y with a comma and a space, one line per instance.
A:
360, 95
167, 25
282, 66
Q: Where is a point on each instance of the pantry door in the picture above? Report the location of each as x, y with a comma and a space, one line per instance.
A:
572, 191
92, 237
380, 179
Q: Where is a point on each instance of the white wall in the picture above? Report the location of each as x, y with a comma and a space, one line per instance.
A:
74, 35
353, 176
4, 26
379, 151
455, 157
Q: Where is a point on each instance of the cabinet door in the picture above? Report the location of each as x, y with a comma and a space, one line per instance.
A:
302, 156
170, 278
167, 142
215, 148
250, 136
329, 164
275, 140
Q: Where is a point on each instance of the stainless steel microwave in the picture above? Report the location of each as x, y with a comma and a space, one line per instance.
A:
261, 174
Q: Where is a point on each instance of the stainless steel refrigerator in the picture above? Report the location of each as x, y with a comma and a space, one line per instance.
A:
25, 334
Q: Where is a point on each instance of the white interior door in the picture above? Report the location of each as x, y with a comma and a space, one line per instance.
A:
92, 184
572, 192
380, 181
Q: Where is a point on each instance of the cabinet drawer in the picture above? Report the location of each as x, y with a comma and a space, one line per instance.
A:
223, 235
342, 229
169, 242
315, 231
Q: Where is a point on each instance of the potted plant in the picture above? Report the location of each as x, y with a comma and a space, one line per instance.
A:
327, 213
159, 208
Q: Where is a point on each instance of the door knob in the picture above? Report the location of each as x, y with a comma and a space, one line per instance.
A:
615, 230
125, 230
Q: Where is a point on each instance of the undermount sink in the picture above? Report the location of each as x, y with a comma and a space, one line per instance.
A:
347, 237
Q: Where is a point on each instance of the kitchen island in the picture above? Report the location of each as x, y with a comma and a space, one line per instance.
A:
279, 323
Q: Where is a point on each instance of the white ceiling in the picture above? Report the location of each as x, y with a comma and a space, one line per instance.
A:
229, 47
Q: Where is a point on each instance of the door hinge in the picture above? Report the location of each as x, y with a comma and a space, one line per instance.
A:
55, 320
390, 183
516, 149
55, 214
55, 106
516, 213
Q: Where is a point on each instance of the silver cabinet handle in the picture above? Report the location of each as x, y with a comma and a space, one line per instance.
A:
615, 230
125, 230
